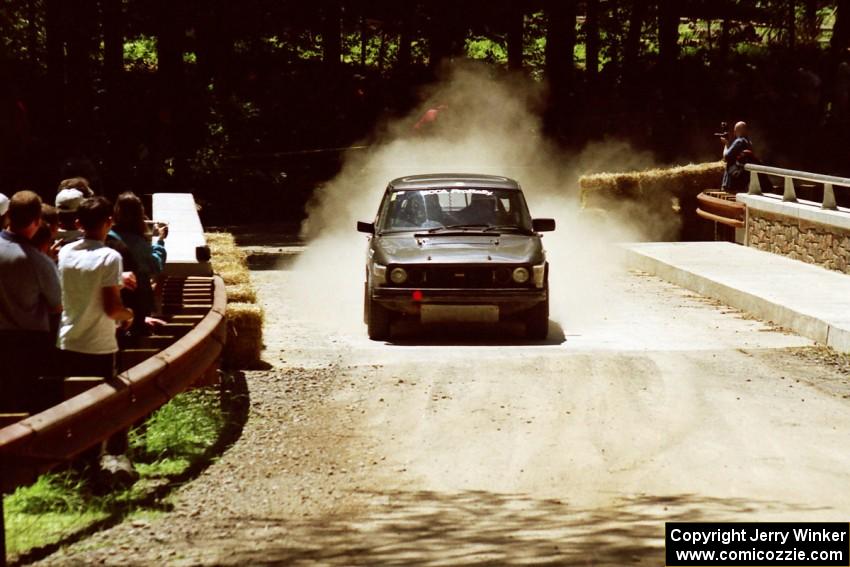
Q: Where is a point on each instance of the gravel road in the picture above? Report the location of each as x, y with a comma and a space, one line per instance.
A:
444, 449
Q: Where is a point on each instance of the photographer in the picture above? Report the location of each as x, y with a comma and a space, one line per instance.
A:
736, 154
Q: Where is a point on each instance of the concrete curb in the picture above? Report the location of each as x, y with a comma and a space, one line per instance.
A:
813, 327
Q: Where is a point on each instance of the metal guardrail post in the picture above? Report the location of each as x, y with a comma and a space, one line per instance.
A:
755, 184
789, 194
829, 197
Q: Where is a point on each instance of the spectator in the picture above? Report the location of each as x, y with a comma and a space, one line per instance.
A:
429, 119
44, 242
67, 202
91, 281
91, 275
4, 208
50, 216
81, 184
42, 239
29, 293
736, 154
145, 260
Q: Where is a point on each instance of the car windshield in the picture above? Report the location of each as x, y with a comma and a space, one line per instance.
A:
460, 207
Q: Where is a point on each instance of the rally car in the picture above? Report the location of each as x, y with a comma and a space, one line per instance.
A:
455, 247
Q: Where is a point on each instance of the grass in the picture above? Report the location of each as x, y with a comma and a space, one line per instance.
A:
183, 434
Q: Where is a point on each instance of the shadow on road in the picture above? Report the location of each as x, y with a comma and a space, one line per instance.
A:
412, 333
477, 527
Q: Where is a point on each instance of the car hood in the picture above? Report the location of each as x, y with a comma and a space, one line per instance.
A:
467, 248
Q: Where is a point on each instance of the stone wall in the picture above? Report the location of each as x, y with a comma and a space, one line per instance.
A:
800, 239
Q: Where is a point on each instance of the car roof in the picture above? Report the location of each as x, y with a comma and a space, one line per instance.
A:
439, 180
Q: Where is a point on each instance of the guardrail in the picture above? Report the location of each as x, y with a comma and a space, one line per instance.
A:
720, 207
829, 183
38, 443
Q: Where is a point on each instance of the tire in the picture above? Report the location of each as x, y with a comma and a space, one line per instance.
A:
537, 321
378, 320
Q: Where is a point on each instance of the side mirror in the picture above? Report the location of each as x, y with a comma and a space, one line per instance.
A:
543, 225
367, 227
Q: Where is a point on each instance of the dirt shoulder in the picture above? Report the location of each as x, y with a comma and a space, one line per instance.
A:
448, 449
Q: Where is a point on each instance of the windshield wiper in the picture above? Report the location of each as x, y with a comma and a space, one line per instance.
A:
455, 227
516, 227
453, 230
436, 229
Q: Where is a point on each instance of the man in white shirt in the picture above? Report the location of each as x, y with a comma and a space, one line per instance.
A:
91, 281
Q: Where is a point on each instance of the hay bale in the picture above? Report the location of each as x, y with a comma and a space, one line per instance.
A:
678, 181
232, 273
244, 335
227, 259
220, 242
219, 239
241, 293
244, 317
662, 202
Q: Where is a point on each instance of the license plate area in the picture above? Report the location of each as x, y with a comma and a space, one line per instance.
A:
459, 313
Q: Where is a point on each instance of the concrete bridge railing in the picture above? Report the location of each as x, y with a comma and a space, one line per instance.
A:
814, 231
829, 183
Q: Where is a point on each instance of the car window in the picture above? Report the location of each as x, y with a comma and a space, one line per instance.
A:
435, 208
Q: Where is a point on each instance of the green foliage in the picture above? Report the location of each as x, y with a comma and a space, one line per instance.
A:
140, 53
418, 52
486, 49
534, 44
208, 158
22, 31
381, 49
308, 44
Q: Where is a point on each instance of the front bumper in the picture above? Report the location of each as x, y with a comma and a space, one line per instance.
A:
509, 301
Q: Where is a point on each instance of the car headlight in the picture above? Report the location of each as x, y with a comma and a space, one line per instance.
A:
539, 275
520, 275
379, 274
398, 276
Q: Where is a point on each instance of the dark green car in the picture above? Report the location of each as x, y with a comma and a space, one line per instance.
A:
456, 247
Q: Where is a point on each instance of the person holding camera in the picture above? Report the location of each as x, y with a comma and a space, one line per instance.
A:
739, 152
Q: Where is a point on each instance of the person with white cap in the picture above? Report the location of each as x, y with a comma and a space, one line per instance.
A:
81, 184
4, 208
67, 202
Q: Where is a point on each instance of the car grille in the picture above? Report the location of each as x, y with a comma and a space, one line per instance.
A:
461, 276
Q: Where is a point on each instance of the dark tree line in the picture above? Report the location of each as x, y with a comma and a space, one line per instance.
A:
201, 93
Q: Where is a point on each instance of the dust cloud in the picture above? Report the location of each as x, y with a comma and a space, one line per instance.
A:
490, 126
